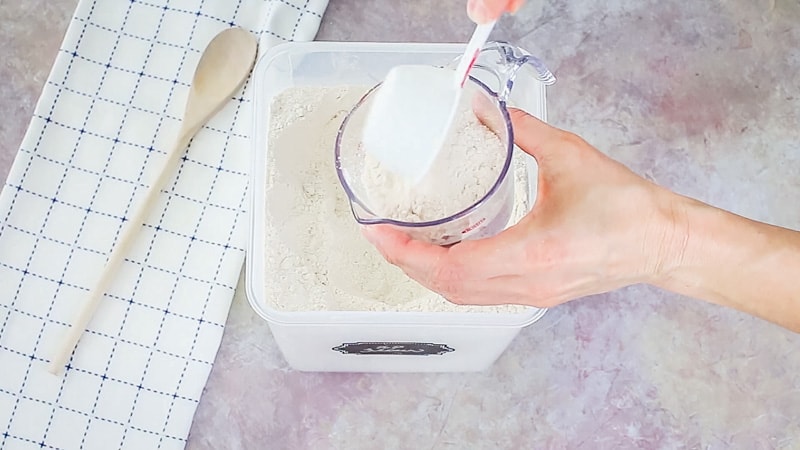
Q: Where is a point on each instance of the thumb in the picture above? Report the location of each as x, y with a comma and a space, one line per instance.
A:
532, 135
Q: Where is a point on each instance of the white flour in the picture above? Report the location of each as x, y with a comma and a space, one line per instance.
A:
463, 172
317, 259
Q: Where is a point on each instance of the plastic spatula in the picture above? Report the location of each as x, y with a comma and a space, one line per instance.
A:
413, 110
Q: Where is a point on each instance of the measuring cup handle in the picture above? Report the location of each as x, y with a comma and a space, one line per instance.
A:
512, 59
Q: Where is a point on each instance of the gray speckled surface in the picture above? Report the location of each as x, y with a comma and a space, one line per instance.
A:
701, 97
27, 55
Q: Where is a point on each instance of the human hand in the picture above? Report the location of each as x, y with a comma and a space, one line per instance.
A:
596, 226
482, 11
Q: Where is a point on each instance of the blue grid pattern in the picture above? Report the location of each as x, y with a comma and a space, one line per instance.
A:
109, 110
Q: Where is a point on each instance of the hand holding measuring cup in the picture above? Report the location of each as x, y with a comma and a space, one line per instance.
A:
593, 228
596, 226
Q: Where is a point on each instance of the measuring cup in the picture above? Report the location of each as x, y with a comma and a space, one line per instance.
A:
487, 91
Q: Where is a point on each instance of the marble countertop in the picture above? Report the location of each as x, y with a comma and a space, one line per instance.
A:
701, 97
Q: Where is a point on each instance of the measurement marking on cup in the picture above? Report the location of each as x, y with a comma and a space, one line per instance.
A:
474, 225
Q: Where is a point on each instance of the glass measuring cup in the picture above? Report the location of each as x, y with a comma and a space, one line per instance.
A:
486, 92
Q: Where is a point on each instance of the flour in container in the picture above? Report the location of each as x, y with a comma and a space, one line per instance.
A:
317, 259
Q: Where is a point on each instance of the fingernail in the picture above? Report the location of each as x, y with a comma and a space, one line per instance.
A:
477, 11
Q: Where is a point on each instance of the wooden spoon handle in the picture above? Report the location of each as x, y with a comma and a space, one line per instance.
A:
121, 247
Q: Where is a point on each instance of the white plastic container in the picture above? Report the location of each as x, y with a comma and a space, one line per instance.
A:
345, 341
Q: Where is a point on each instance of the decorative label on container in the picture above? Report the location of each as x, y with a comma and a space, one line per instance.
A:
393, 348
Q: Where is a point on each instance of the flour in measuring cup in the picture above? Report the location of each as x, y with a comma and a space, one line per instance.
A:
465, 169
316, 257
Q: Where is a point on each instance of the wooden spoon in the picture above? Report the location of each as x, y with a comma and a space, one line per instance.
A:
223, 67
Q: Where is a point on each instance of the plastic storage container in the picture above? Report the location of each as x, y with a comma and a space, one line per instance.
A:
362, 341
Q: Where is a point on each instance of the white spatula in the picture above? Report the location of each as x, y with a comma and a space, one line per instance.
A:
414, 109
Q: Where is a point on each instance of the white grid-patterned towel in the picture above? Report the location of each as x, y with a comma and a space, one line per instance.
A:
108, 112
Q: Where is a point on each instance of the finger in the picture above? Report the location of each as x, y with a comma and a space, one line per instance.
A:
455, 271
515, 5
531, 134
504, 290
483, 11
399, 249
485, 258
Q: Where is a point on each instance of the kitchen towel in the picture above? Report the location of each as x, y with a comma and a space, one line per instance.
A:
109, 110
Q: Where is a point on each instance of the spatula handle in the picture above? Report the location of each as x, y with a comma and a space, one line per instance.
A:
474, 46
